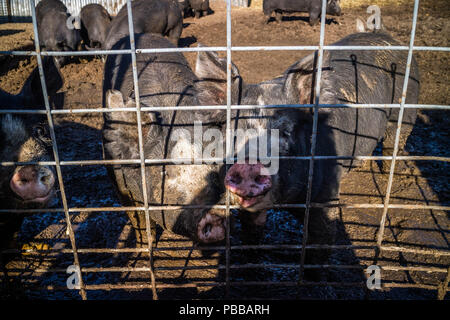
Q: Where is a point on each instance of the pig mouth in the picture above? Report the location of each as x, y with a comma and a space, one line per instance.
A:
254, 203
42, 199
247, 202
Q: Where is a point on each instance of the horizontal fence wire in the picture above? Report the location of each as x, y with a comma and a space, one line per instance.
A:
109, 287
233, 107
244, 266
224, 207
222, 49
430, 251
301, 248
216, 160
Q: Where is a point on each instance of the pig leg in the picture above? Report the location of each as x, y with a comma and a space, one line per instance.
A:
59, 61
321, 231
175, 33
278, 16
9, 229
197, 14
267, 16
137, 220
314, 17
388, 145
322, 224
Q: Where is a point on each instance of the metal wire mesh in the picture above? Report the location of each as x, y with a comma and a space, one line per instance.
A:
142, 161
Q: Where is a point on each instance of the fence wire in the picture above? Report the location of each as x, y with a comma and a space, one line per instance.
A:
301, 249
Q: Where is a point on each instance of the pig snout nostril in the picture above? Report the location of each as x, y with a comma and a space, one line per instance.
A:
236, 179
207, 229
46, 177
262, 180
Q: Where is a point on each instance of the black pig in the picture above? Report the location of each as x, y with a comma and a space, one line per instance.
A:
95, 22
198, 7
149, 16
348, 77
54, 34
165, 79
313, 7
25, 138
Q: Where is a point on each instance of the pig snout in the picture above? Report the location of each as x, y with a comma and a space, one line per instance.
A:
33, 184
211, 228
248, 183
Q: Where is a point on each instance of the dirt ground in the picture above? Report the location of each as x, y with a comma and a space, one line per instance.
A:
176, 260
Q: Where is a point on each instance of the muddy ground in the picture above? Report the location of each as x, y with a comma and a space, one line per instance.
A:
78, 138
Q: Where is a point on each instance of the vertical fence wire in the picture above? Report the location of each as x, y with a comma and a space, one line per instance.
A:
313, 139
228, 151
399, 126
55, 151
141, 147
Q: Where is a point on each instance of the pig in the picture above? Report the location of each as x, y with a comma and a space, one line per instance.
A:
165, 79
198, 7
53, 30
149, 16
313, 7
95, 22
348, 76
23, 187
25, 138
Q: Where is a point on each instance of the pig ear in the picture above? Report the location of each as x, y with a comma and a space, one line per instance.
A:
212, 73
299, 84
360, 25
210, 66
114, 99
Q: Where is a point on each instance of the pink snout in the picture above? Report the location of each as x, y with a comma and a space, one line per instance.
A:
33, 184
211, 228
248, 182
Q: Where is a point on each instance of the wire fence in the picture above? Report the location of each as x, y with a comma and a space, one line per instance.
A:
227, 247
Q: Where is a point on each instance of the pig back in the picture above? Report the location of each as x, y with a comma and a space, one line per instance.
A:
361, 77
